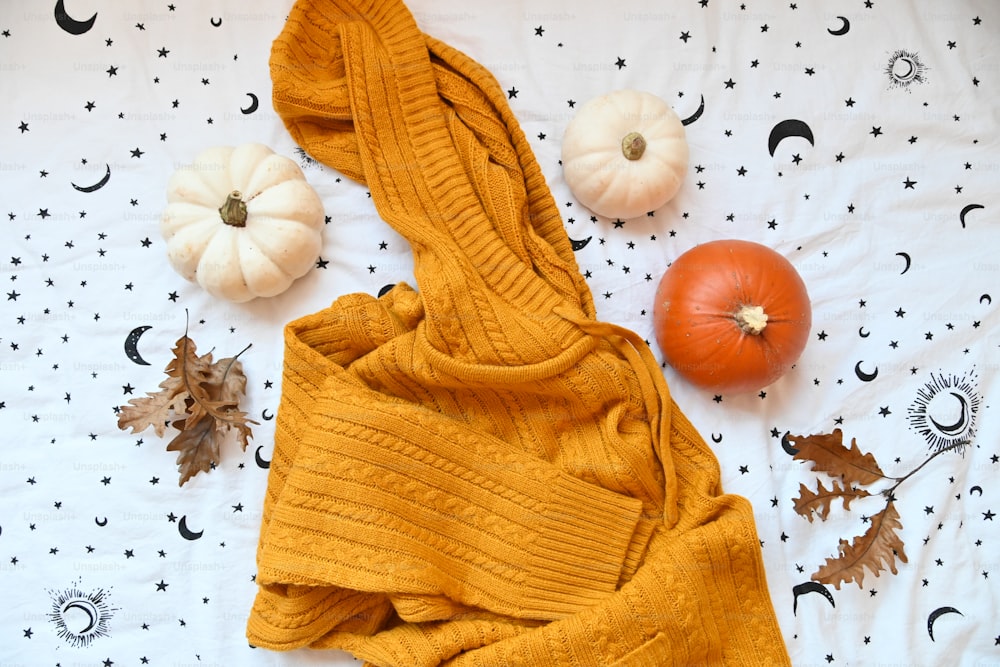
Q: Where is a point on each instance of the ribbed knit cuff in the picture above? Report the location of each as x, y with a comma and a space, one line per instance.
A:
582, 539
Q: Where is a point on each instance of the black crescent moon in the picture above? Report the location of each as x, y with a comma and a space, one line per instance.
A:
842, 30
581, 244
185, 532
909, 72
716, 438
89, 609
101, 523
385, 289
934, 615
213, 22
865, 377
99, 184
976, 488
132, 344
965, 211
697, 114
261, 462
906, 257
266, 417
71, 25
958, 426
987, 298
787, 446
253, 105
863, 333
788, 128
810, 587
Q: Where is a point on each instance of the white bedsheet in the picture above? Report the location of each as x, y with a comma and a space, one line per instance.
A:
889, 211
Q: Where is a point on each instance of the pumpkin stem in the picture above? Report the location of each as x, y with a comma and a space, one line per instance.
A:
751, 319
234, 211
633, 146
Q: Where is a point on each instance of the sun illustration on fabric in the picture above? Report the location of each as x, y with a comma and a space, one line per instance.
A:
904, 69
944, 411
80, 618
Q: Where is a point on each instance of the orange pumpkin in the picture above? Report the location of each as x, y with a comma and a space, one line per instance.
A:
731, 315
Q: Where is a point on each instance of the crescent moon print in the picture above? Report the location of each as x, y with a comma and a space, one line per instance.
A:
71, 25
101, 522
186, 532
132, 345
581, 244
845, 25
906, 258
862, 375
266, 417
99, 184
80, 618
253, 104
716, 438
697, 114
215, 22
936, 614
945, 410
862, 333
262, 463
788, 128
904, 69
787, 446
987, 298
810, 587
965, 211
976, 489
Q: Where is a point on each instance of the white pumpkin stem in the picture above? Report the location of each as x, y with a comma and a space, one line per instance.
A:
234, 211
633, 146
751, 319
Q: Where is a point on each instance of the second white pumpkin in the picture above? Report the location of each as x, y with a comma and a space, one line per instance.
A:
624, 154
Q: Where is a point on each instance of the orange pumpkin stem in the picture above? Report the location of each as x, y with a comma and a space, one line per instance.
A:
633, 146
751, 319
234, 211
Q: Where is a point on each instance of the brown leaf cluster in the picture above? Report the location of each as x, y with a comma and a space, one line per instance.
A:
880, 545
200, 399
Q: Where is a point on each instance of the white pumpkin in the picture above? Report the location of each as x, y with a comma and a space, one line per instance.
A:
242, 222
624, 154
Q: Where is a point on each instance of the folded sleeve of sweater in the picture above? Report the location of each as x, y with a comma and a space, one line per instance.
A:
390, 497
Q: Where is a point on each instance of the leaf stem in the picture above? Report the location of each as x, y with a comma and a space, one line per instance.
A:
900, 480
233, 361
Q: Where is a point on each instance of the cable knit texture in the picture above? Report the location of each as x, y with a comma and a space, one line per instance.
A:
478, 471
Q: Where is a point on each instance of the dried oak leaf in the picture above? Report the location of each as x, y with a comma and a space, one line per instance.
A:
809, 503
876, 550
200, 398
828, 454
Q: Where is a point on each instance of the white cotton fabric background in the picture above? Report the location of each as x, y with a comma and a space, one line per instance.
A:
893, 162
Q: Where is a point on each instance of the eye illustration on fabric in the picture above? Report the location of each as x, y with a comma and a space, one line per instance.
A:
904, 69
80, 618
306, 161
944, 411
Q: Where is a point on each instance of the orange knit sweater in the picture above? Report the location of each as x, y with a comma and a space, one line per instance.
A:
479, 472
